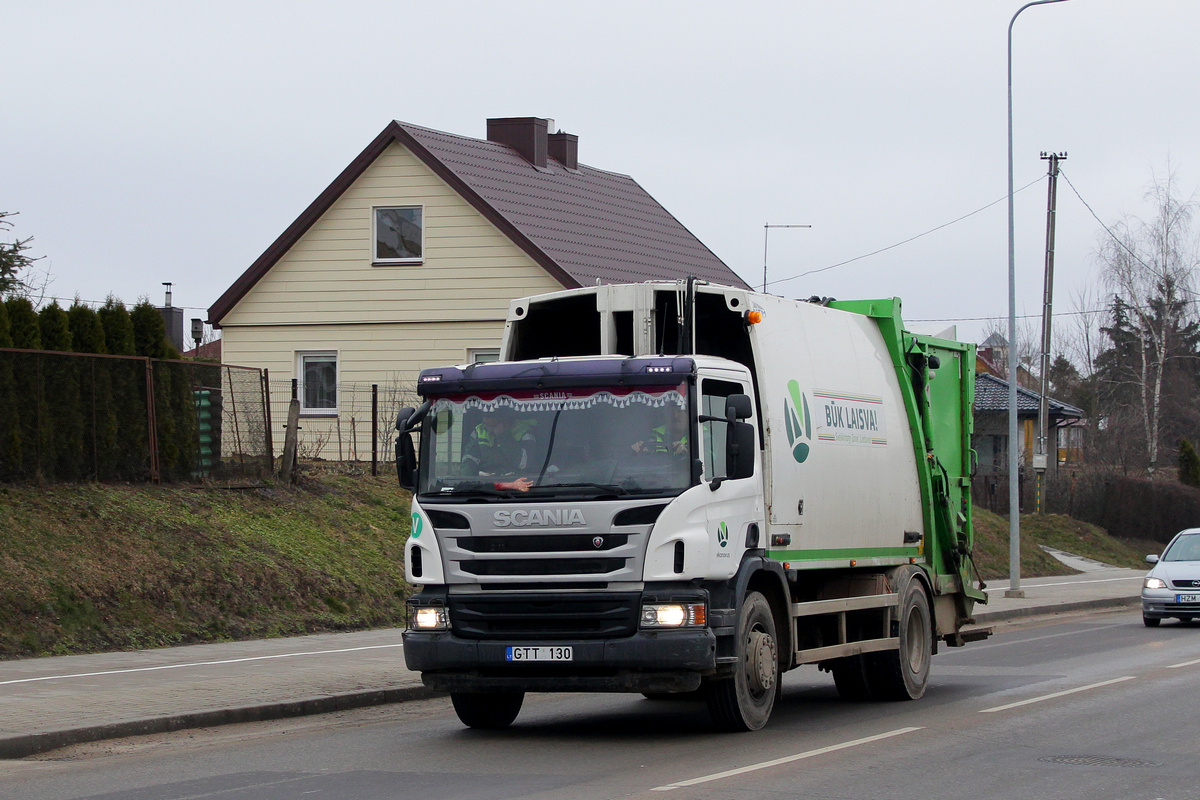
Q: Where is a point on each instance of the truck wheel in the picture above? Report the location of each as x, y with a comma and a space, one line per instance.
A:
487, 711
903, 674
850, 678
744, 701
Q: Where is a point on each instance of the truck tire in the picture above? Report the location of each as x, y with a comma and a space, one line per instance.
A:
487, 711
744, 701
903, 674
850, 678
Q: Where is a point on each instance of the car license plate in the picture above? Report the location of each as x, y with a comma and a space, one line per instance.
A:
539, 654
1187, 598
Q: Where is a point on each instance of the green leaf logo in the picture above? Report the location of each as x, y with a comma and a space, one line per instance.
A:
417, 525
723, 534
798, 421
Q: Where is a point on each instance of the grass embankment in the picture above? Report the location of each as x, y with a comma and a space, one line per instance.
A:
95, 567
1053, 530
107, 567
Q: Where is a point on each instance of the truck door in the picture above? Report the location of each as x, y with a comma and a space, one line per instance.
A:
735, 505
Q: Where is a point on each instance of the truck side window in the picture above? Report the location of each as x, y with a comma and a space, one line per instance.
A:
713, 434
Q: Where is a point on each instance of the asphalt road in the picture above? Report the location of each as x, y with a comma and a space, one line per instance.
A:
1092, 708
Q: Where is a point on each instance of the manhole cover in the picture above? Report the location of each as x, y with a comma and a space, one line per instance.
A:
1100, 761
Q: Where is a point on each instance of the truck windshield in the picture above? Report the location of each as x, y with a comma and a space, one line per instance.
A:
585, 442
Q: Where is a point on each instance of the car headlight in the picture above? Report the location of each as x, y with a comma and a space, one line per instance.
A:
428, 618
674, 615
1154, 583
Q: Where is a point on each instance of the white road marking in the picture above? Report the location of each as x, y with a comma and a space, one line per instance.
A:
1067, 583
1057, 694
1185, 664
975, 647
785, 760
194, 664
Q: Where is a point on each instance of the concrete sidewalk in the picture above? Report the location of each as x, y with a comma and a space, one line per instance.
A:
47, 703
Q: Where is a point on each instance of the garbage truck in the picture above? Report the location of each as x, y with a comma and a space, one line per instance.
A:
685, 489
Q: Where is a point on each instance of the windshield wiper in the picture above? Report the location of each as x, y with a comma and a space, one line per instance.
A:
604, 487
472, 489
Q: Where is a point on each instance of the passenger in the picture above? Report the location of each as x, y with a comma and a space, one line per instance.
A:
501, 445
669, 437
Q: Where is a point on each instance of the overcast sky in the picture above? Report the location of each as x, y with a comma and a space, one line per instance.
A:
144, 142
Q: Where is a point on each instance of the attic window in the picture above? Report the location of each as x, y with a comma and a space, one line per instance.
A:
399, 235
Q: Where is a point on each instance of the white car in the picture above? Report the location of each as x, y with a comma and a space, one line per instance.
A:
1172, 587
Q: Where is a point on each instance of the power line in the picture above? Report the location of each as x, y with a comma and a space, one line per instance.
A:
906, 241
1117, 239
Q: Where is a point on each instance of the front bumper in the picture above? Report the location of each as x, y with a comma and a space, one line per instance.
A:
648, 661
1162, 604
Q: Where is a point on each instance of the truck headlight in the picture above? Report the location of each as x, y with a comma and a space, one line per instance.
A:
1154, 583
428, 618
674, 615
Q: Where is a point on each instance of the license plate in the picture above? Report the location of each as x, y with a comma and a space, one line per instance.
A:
1187, 598
538, 654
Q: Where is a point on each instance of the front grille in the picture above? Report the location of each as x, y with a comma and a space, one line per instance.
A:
543, 566
1194, 585
582, 616
556, 543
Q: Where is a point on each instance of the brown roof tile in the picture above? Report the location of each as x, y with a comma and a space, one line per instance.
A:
583, 226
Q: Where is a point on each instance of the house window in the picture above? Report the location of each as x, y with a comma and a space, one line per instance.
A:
399, 235
482, 356
317, 391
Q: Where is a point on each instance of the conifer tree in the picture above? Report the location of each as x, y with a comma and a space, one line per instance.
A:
62, 438
1189, 464
23, 324
10, 410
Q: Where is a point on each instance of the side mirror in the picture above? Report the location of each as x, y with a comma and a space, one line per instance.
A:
407, 421
406, 462
1151, 559
409, 418
740, 459
738, 406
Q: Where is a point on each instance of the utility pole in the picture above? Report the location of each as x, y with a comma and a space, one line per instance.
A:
1041, 459
766, 232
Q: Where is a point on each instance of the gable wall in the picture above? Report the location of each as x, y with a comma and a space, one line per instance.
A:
470, 272
386, 323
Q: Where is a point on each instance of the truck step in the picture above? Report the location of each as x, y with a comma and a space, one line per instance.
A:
964, 636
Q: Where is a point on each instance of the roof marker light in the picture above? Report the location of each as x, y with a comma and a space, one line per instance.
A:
753, 317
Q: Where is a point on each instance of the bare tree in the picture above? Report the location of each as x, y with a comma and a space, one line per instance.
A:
1149, 266
1029, 349
1083, 340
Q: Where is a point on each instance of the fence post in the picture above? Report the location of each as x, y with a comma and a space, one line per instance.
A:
374, 429
152, 423
287, 467
265, 385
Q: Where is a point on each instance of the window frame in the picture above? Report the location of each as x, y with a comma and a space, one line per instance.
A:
393, 262
491, 354
305, 410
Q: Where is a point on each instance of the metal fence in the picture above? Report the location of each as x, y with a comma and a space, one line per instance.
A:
73, 416
361, 431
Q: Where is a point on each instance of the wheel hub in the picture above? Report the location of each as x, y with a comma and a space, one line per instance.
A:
762, 662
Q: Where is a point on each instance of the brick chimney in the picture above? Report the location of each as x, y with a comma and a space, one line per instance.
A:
564, 148
526, 135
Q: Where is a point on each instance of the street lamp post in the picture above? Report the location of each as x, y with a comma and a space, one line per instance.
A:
1014, 499
766, 232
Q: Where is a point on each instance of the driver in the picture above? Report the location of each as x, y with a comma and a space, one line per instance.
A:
501, 445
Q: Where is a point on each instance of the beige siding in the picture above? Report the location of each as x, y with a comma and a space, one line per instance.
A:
392, 353
470, 272
385, 323
389, 355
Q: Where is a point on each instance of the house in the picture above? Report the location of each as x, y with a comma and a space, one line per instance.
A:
411, 256
990, 438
